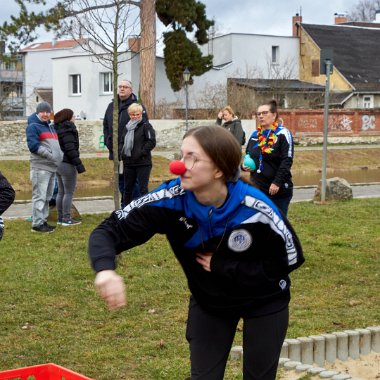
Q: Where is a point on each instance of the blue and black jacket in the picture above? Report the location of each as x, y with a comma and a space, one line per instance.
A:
275, 166
254, 247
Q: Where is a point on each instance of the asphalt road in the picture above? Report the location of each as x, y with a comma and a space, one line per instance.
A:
98, 205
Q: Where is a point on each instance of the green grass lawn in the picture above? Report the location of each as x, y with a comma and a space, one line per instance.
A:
51, 313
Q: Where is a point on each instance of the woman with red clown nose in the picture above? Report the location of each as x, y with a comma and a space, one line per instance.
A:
236, 250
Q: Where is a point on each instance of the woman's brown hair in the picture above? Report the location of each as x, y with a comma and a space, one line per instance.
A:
272, 107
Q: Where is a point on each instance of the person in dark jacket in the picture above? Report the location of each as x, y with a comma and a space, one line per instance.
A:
228, 120
71, 165
271, 147
138, 140
125, 98
45, 157
7, 196
233, 244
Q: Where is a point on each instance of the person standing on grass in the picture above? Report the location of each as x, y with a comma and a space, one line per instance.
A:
125, 98
138, 140
7, 196
271, 147
69, 167
235, 248
45, 157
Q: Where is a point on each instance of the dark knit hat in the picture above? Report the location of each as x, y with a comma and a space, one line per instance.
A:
43, 107
65, 114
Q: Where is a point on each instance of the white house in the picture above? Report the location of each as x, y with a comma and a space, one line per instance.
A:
38, 75
85, 85
81, 83
238, 55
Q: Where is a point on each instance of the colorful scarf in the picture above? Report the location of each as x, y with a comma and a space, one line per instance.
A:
267, 137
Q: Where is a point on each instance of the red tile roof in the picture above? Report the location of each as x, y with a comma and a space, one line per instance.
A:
62, 44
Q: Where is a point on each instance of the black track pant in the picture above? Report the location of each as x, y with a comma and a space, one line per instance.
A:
211, 338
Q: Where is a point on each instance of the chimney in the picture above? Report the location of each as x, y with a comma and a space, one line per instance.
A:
295, 21
134, 44
340, 18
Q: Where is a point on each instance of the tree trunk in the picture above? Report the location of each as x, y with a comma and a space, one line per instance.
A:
115, 118
147, 93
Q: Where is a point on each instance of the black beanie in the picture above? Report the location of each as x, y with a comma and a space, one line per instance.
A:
65, 114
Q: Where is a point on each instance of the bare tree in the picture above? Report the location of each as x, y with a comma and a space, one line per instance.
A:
103, 32
212, 98
364, 10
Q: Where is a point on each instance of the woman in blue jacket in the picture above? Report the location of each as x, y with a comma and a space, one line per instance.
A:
234, 246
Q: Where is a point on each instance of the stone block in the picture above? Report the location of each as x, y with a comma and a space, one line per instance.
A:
236, 352
294, 349
353, 344
330, 347
364, 341
342, 345
318, 349
306, 350
375, 338
337, 189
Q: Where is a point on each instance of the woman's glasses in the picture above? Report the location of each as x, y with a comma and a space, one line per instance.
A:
190, 160
262, 113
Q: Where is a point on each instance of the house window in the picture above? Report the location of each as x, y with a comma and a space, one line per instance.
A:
19, 90
315, 68
275, 54
106, 83
75, 84
368, 101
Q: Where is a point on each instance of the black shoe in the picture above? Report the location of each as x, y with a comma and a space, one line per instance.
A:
50, 226
43, 228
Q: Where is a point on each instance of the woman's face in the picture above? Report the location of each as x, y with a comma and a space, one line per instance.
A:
264, 116
201, 172
227, 116
137, 115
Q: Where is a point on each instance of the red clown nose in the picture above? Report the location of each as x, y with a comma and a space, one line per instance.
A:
177, 167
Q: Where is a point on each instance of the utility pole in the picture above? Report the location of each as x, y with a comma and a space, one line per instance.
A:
326, 67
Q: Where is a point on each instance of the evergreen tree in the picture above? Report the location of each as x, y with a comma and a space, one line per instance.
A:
180, 52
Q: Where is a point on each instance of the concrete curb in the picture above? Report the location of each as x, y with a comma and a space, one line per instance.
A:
310, 354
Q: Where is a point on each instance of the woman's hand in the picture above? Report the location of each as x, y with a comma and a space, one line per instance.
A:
205, 260
110, 286
273, 189
246, 168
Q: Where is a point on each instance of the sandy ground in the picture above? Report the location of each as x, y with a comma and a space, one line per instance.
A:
365, 368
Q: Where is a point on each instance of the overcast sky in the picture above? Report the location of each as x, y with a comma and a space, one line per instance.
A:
250, 16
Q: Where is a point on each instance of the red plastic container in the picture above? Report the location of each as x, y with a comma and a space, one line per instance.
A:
48, 371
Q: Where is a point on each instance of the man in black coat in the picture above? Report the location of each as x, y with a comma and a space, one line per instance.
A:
125, 98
